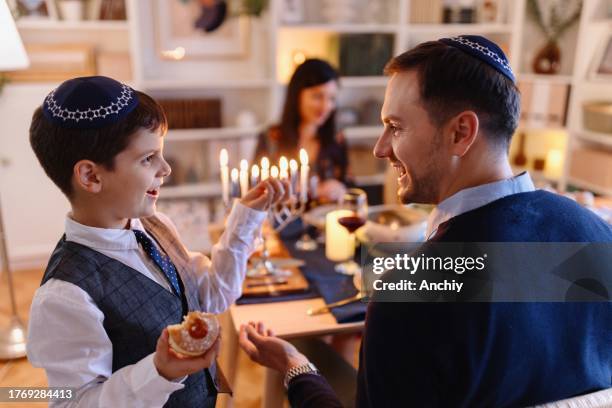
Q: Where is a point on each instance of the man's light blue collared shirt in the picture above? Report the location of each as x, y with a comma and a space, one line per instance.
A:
474, 197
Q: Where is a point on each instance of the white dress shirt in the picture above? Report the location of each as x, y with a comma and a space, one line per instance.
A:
66, 335
475, 197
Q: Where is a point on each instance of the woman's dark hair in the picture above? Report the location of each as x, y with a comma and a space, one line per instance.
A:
58, 149
452, 81
311, 72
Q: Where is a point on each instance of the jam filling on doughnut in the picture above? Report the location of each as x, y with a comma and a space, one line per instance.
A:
198, 329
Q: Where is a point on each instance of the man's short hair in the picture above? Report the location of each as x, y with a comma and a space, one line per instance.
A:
58, 149
452, 81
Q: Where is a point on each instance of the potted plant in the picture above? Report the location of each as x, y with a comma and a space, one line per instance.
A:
554, 18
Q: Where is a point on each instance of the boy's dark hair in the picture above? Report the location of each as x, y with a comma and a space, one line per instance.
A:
58, 149
452, 81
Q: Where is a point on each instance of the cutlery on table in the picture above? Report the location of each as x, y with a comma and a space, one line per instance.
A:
327, 308
268, 282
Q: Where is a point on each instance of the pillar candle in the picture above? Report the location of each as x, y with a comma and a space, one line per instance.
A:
254, 175
284, 168
244, 177
274, 172
265, 168
293, 172
339, 244
554, 164
223, 160
235, 186
304, 175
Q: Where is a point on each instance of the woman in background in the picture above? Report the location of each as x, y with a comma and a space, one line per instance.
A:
309, 122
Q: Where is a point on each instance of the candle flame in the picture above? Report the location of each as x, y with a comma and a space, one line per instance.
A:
234, 174
274, 172
303, 157
255, 171
223, 157
244, 165
283, 163
293, 165
265, 163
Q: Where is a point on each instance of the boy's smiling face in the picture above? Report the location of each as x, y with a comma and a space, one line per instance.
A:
131, 189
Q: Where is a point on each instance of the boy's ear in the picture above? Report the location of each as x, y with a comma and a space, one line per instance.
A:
86, 176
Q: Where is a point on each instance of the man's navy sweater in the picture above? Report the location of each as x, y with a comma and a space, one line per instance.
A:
485, 354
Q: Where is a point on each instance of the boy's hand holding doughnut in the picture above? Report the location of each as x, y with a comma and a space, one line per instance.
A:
186, 348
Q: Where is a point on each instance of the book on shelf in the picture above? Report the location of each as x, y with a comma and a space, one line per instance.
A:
543, 104
192, 113
426, 11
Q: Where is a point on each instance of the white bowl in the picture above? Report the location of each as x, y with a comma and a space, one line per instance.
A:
395, 223
316, 216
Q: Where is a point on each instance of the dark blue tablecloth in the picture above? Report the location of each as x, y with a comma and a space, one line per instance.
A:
323, 280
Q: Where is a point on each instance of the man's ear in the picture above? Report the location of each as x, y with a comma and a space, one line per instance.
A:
464, 129
87, 177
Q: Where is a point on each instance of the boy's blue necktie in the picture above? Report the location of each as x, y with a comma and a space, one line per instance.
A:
161, 260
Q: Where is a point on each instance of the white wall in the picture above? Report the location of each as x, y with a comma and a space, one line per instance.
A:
32, 207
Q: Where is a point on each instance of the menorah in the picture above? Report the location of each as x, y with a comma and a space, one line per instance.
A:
279, 217
236, 183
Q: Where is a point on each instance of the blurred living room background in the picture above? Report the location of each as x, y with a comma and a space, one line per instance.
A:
221, 78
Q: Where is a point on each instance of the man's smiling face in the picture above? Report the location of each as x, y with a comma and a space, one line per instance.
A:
412, 144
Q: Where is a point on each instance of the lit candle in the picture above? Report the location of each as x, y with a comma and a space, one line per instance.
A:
339, 244
254, 175
265, 168
274, 172
244, 177
235, 190
304, 175
554, 164
293, 167
284, 168
223, 160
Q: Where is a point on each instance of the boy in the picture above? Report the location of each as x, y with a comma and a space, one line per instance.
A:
120, 273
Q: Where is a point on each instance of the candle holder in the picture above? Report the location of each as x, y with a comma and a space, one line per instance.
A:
279, 217
236, 184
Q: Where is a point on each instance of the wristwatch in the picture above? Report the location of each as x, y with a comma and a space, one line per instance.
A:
293, 372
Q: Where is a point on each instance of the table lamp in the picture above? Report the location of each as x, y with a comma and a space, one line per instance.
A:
12, 57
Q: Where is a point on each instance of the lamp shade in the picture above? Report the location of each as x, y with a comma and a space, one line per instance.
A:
12, 53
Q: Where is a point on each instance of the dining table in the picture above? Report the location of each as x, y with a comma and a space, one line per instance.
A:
287, 314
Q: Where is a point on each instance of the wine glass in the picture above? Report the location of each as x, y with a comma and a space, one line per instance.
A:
356, 201
264, 267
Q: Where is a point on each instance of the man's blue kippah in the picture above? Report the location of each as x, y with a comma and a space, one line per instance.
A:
89, 103
483, 49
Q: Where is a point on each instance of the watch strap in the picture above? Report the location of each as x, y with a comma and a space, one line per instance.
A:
293, 372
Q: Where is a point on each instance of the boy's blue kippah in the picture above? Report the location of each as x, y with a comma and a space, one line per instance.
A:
483, 49
89, 102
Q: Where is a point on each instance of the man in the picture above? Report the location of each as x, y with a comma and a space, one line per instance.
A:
451, 107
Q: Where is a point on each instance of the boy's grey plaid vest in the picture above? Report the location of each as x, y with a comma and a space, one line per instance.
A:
136, 309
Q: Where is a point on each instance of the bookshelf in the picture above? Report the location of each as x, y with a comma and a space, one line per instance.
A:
85, 25
256, 82
276, 41
593, 32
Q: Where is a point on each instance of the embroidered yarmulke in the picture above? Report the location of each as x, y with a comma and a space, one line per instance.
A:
483, 49
89, 102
